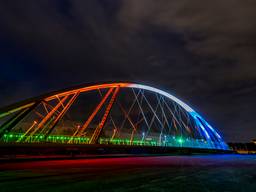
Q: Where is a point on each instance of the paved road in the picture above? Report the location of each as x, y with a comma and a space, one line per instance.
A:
153, 173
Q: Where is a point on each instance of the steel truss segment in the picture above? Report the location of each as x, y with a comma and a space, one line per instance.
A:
154, 117
10, 124
163, 112
52, 111
174, 99
99, 128
9, 112
45, 107
80, 131
58, 98
175, 120
111, 119
113, 135
188, 123
154, 114
164, 115
129, 111
48, 116
27, 132
140, 107
91, 88
179, 113
163, 122
130, 121
62, 113
151, 108
143, 114
46, 103
38, 114
131, 85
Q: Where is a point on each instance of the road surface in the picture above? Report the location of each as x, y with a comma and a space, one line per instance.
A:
151, 173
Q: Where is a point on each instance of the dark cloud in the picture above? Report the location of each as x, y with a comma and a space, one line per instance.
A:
201, 50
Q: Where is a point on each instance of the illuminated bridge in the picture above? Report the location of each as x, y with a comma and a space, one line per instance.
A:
123, 114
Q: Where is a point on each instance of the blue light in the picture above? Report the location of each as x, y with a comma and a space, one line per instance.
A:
198, 119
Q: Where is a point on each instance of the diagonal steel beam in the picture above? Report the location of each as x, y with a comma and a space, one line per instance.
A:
88, 121
151, 108
46, 103
45, 107
49, 115
9, 112
130, 121
130, 109
99, 128
29, 130
62, 113
111, 119
154, 114
173, 115
164, 115
7, 126
140, 107
60, 100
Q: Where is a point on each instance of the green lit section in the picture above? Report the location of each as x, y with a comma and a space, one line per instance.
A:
180, 140
40, 138
127, 142
167, 141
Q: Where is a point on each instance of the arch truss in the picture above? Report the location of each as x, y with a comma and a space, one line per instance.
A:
111, 113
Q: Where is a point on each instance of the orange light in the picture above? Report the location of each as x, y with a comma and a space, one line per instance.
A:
90, 88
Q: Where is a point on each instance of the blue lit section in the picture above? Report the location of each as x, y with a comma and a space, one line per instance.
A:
198, 119
202, 127
204, 124
213, 130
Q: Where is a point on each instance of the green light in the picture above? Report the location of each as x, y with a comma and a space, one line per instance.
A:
177, 142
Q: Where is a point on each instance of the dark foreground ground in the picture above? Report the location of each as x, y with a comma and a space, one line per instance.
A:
152, 173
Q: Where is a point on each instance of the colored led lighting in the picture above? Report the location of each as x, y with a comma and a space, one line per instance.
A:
206, 131
171, 141
145, 87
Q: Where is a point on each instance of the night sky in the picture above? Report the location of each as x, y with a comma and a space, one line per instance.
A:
202, 51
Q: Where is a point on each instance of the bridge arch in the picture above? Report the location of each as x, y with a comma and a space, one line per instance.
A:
202, 134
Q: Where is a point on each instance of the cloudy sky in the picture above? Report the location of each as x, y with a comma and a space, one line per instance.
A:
203, 51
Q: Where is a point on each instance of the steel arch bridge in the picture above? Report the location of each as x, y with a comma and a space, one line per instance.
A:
110, 113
